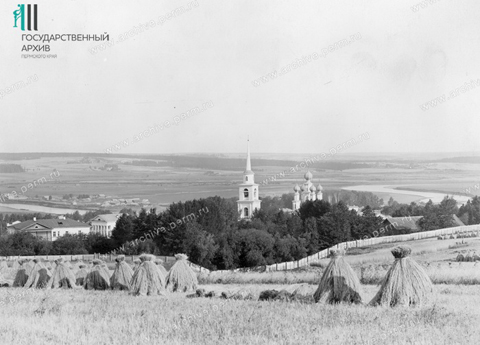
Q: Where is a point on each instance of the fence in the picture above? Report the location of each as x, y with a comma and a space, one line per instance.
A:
87, 257
284, 266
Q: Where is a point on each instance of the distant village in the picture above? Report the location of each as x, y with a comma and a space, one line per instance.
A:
83, 200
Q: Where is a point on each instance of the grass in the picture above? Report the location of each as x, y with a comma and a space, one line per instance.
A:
465, 273
94, 317
283, 277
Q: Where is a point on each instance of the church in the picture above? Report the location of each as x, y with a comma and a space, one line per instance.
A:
248, 200
308, 191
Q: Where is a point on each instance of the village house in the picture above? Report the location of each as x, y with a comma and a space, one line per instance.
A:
50, 229
104, 224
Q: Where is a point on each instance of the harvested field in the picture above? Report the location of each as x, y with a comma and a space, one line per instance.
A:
104, 317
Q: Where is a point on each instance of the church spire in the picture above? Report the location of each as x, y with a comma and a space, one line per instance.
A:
249, 164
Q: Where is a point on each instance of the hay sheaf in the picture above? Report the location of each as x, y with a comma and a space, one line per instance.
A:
162, 268
406, 283
62, 277
28, 265
68, 264
339, 283
76, 266
147, 279
3, 266
104, 267
181, 256
136, 264
122, 276
21, 276
39, 277
181, 278
16, 265
4, 282
97, 278
81, 275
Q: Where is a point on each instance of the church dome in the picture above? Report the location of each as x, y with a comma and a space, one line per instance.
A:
319, 188
312, 188
308, 175
296, 188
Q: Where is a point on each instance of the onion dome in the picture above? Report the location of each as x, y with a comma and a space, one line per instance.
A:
296, 188
313, 188
308, 175
319, 188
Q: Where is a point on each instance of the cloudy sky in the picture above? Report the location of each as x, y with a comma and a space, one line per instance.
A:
400, 58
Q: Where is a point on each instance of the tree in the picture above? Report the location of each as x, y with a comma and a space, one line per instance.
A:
43, 247
19, 243
311, 235
256, 248
199, 245
227, 255
77, 216
335, 227
470, 212
123, 231
69, 245
438, 216
448, 206
96, 243
315, 209
368, 224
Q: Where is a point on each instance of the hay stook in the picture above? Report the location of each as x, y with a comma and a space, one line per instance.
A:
405, 284
339, 283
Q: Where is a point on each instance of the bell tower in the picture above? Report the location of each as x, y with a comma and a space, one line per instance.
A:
248, 200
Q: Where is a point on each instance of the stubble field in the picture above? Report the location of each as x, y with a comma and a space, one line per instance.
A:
100, 317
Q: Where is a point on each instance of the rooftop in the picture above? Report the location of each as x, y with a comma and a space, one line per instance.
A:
50, 224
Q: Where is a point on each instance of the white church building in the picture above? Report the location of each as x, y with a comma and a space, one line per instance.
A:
308, 191
248, 200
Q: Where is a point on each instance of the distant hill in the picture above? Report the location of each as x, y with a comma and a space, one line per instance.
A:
470, 160
209, 162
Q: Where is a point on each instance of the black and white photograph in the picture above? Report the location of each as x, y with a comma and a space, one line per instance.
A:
239, 172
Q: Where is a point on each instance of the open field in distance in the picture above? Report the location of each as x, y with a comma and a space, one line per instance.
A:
162, 181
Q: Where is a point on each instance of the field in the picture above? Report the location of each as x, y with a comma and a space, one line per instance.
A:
96, 317
105, 317
185, 180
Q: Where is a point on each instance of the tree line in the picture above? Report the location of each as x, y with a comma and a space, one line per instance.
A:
218, 240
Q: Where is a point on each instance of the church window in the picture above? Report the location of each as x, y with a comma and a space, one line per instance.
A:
255, 192
245, 193
245, 211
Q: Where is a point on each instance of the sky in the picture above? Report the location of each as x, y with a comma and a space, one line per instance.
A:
398, 57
